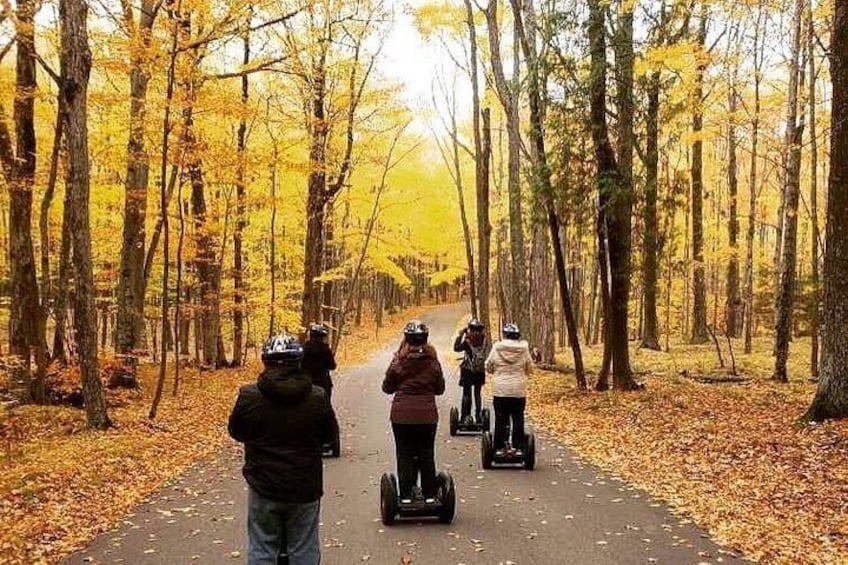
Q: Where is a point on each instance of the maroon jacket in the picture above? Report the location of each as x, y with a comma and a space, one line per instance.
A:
415, 378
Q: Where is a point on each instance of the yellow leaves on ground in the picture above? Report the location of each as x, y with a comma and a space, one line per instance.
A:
731, 456
65, 484
61, 484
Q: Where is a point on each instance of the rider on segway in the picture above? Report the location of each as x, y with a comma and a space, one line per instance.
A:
472, 372
415, 378
510, 363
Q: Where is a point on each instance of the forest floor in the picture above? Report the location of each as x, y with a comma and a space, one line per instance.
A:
732, 456
61, 484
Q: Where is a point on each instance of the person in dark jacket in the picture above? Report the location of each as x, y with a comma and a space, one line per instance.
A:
283, 421
318, 359
415, 378
472, 372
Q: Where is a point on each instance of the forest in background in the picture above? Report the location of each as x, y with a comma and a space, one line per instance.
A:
601, 172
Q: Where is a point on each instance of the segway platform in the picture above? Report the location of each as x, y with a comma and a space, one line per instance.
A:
508, 457
443, 507
470, 426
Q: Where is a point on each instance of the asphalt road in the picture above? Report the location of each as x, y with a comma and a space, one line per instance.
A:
565, 511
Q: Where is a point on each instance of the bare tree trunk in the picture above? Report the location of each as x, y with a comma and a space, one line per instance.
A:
650, 335
241, 219
452, 162
831, 400
76, 66
131, 280
814, 206
178, 24
26, 320
791, 189
731, 308
699, 287
44, 217
752, 185
614, 189
542, 178
508, 96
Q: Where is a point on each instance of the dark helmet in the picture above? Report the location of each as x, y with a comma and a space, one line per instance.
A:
416, 333
475, 325
511, 331
318, 331
282, 350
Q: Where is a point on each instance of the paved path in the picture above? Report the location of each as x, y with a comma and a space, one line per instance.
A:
563, 512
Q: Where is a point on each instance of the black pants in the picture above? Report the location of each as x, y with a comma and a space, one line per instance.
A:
466, 401
509, 410
414, 444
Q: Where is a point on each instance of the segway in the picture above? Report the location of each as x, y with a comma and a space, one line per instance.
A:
333, 448
443, 507
508, 457
469, 425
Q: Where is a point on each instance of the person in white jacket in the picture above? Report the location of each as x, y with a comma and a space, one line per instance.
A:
509, 363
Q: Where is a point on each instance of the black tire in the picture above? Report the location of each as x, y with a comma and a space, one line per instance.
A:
529, 451
486, 418
454, 421
487, 450
336, 446
448, 497
388, 499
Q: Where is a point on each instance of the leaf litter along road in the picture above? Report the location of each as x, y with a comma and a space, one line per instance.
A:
563, 512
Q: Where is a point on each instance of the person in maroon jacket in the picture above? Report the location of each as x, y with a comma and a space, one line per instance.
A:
415, 378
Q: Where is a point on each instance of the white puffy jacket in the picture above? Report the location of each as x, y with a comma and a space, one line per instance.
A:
509, 361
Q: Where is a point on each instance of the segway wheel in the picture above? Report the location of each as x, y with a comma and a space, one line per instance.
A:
448, 497
486, 418
529, 451
336, 446
487, 450
388, 499
454, 421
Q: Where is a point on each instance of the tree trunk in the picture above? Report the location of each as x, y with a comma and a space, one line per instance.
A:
508, 96
831, 400
316, 202
615, 194
26, 320
731, 308
482, 158
814, 206
791, 189
542, 179
752, 186
131, 280
650, 334
699, 287
239, 300
75, 68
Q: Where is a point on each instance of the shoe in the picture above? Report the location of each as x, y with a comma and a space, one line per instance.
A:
430, 500
519, 453
499, 452
468, 421
406, 501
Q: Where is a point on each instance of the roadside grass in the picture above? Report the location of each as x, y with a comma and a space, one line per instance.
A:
731, 456
61, 484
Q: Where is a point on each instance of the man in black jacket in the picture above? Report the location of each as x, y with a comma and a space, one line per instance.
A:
318, 358
283, 421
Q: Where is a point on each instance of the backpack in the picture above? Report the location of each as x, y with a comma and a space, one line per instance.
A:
475, 359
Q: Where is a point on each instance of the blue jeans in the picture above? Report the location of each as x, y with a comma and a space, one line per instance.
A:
275, 528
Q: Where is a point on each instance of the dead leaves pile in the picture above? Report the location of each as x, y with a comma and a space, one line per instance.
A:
730, 456
61, 484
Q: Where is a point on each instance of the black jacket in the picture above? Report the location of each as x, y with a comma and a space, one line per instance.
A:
467, 376
318, 361
283, 421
